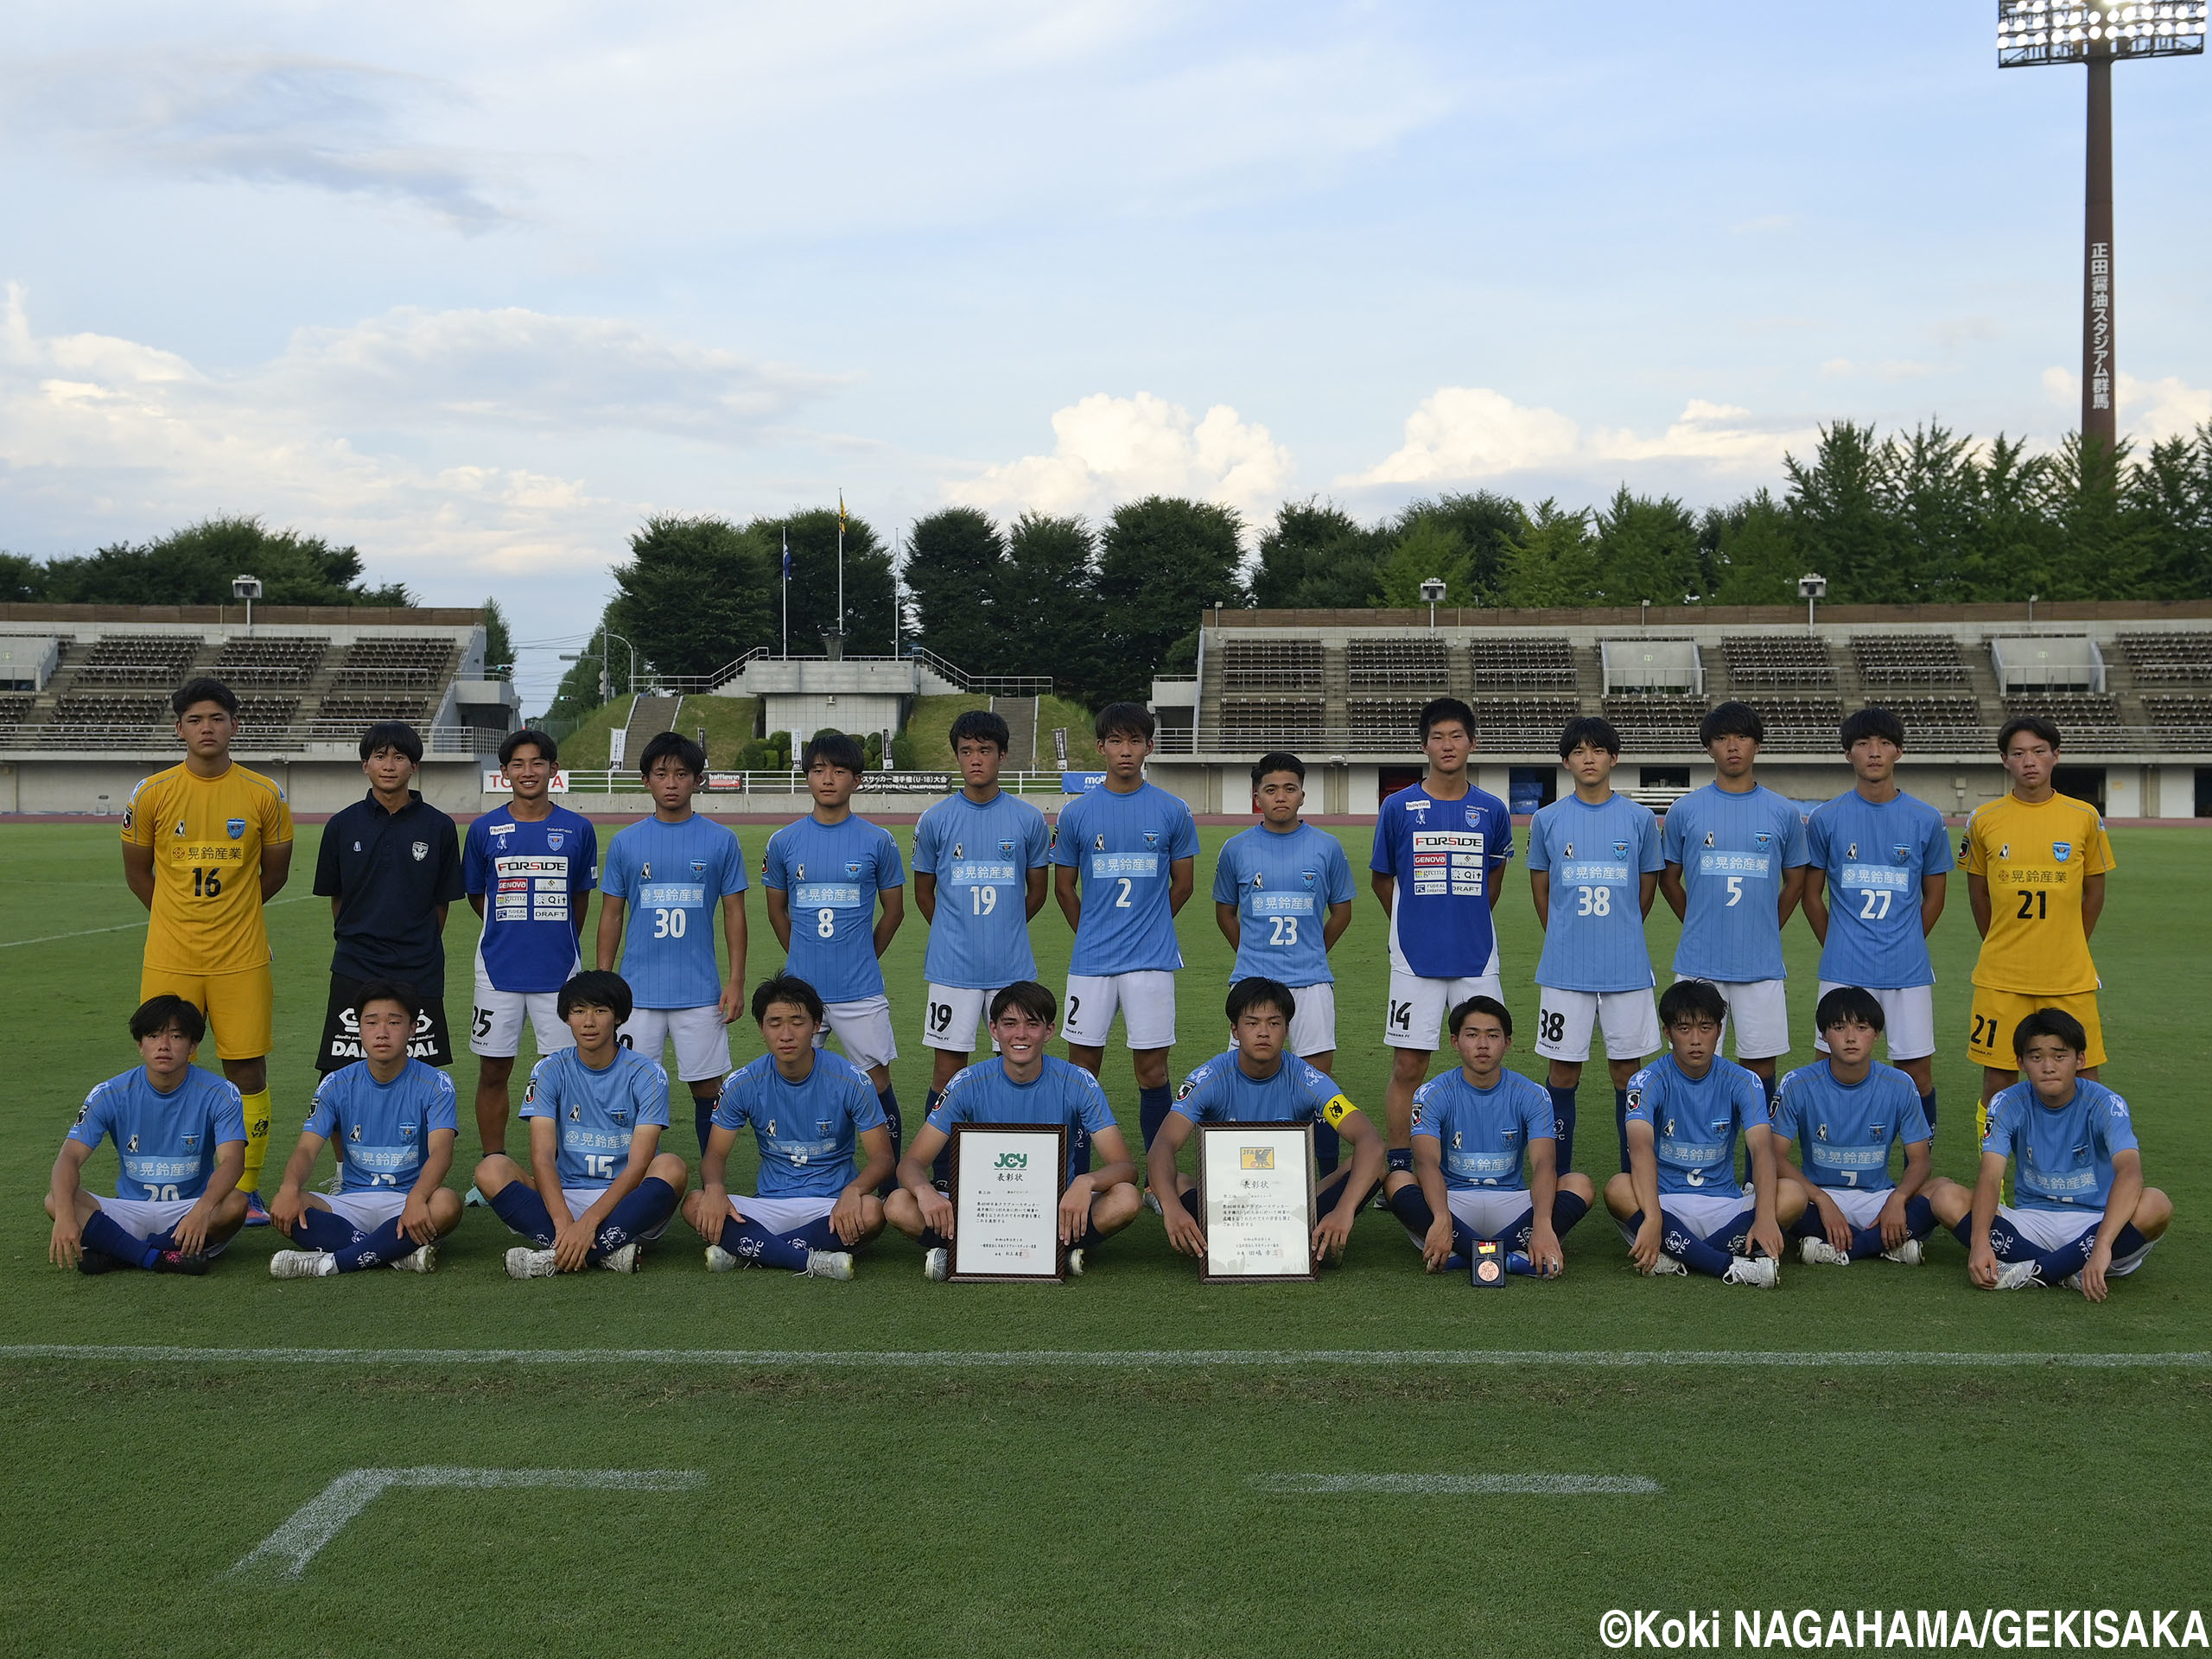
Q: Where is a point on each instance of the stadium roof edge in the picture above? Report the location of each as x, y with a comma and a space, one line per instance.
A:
310, 615
1679, 616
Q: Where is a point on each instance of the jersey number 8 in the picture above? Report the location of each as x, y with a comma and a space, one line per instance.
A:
825, 924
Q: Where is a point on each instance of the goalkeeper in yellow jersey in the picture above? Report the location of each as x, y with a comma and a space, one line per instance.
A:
206, 845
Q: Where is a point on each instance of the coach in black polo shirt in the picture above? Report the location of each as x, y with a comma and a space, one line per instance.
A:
390, 865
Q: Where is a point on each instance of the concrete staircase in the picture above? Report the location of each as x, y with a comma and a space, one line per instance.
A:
649, 718
1020, 717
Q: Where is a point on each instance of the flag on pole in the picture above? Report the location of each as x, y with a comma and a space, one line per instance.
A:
841, 512
787, 555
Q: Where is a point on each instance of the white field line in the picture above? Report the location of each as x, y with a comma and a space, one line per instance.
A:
1102, 1359
126, 927
1549, 1485
322, 1517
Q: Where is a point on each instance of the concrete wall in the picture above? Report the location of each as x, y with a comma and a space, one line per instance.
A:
320, 786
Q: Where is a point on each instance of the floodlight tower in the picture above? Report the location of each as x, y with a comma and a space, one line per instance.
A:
2097, 33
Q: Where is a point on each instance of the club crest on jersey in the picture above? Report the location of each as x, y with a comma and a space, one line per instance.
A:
191, 1142
1309, 877
1152, 837
1877, 1133
236, 827
1007, 846
2062, 850
1762, 838
554, 838
853, 869
406, 1131
1900, 853
421, 849
1474, 817
698, 866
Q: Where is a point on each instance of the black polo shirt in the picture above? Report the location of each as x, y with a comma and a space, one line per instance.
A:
390, 871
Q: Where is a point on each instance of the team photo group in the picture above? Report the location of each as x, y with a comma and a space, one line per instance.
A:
1477, 1164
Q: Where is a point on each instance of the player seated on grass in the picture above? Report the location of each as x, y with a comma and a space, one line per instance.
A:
1847, 1111
809, 1109
597, 1188
2084, 1215
396, 1117
1679, 1206
1255, 1083
180, 1135
1472, 1129
1023, 1085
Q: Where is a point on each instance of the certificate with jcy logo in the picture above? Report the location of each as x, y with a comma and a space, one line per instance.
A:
1006, 1180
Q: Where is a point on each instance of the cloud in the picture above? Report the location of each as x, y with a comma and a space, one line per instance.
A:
1111, 449
1460, 434
321, 123
2149, 410
1892, 369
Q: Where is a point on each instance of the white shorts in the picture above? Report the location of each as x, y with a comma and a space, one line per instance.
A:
1313, 1027
366, 1211
701, 1040
1907, 1020
1146, 998
1706, 1213
146, 1217
862, 1030
1489, 1210
581, 1199
781, 1215
1861, 1207
495, 1023
1419, 1007
953, 1015
1565, 1019
1759, 1015
2048, 1229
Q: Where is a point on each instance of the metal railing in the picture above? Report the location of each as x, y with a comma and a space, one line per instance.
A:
250, 740
1979, 741
614, 781
652, 682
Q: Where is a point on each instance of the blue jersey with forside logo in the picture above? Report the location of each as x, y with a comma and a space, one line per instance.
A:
1125, 848
832, 873
382, 1129
1695, 1121
1598, 857
1873, 856
1733, 848
165, 1143
2062, 1156
1446, 857
535, 878
596, 1113
1483, 1134
1282, 884
1222, 1091
674, 878
1061, 1093
1844, 1131
980, 855
808, 1131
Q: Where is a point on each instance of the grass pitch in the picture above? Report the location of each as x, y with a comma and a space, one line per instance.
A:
1049, 1506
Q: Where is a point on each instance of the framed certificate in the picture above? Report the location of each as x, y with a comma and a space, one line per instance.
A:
1006, 1203
1255, 1201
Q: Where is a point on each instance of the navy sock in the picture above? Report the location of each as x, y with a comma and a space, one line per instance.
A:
1152, 1107
386, 1244
110, 1238
1563, 1121
1189, 1201
749, 1240
1328, 1149
1092, 1238
325, 1230
650, 1202
887, 1097
1928, 1107
164, 1240
524, 1212
1567, 1211
1620, 1124
1519, 1231
1398, 1158
933, 1240
1686, 1246
1411, 1207
702, 1118
941, 1166
1919, 1220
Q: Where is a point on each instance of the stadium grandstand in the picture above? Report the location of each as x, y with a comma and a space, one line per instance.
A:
2129, 684
85, 689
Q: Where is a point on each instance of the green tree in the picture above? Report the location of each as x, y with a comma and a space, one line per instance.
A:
1929, 485
1752, 549
1552, 561
577, 694
1428, 548
22, 579
2106, 539
1646, 548
2010, 552
813, 535
1837, 504
498, 643
1048, 600
694, 593
2173, 487
195, 565
955, 569
1486, 524
1164, 560
1316, 556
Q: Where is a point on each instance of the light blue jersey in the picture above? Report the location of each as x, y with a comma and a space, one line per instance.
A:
1695, 1121
808, 1132
1125, 847
1282, 885
1844, 1131
1873, 857
1061, 1093
165, 1143
1733, 850
1483, 1134
981, 856
673, 877
833, 873
596, 1113
2062, 1156
382, 1130
1445, 857
1597, 856
1220, 1091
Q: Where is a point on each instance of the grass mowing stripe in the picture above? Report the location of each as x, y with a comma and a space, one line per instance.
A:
129, 927
1087, 1359
1546, 1485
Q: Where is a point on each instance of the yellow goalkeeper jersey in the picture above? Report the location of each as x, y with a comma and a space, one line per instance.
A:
207, 834
2034, 859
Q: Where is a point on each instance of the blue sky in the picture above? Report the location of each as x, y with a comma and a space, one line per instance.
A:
478, 286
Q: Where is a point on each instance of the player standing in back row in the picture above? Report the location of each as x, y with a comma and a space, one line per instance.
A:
987, 852
1736, 860
1440, 846
1127, 855
2036, 863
